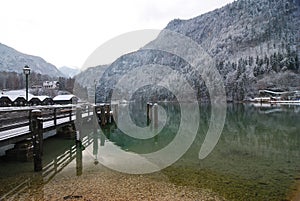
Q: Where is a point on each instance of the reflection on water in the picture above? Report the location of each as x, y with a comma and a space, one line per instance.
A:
256, 157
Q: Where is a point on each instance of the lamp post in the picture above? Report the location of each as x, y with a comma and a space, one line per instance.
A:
26, 71
95, 84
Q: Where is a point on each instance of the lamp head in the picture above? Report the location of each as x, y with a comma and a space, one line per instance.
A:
26, 70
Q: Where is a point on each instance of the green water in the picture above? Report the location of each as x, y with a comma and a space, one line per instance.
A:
256, 157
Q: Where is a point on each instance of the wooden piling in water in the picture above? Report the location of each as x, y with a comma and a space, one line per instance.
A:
149, 112
79, 148
115, 113
95, 120
102, 110
107, 114
155, 116
37, 138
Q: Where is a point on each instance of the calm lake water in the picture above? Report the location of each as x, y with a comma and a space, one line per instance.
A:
257, 156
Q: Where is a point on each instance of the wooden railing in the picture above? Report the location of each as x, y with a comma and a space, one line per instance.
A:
16, 123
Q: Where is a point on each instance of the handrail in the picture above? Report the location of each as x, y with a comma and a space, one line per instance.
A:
51, 113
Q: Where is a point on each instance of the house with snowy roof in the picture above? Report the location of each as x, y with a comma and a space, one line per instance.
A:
65, 99
14, 98
17, 98
41, 100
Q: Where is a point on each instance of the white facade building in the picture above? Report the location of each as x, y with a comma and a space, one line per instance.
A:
50, 84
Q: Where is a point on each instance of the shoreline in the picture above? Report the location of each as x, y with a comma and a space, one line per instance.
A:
105, 184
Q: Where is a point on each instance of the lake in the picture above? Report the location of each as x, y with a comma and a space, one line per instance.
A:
256, 157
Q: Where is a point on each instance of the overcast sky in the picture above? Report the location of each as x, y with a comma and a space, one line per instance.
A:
66, 32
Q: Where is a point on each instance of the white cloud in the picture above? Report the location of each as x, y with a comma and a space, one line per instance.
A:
67, 32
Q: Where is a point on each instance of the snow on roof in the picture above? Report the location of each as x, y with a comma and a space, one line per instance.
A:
41, 98
14, 94
63, 97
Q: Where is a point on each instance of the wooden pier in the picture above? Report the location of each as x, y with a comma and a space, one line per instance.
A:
35, 122
16, 125
28, 126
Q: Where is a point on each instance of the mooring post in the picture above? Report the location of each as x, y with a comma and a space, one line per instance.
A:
155, 118
107, 113
102, 109
37, 138
79, 148
148, 113
115, 113
151, 112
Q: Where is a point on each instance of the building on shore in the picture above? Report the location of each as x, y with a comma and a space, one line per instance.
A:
269, 96
65, 99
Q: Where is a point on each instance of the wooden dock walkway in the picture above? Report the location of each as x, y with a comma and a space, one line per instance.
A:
15, 123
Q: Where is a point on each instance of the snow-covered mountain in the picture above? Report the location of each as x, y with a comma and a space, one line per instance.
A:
255, 44
88, 77
12, 60
68, 71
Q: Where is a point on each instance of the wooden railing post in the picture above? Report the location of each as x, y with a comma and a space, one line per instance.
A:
95, 148
78, 123
95, 120
37, 138
55, 116
70, 114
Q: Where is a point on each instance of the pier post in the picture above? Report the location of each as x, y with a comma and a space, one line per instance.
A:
102, 109
88, 110
115, 113
78, 123
95, 148
95, 120
107, 113
155, 118
37, 138
79, 148
54, 116
148, 113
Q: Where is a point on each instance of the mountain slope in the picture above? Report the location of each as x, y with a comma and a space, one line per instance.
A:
13, 61
254, 43
87, 79
69, 72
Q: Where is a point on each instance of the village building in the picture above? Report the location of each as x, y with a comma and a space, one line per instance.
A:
51, 84
65, 99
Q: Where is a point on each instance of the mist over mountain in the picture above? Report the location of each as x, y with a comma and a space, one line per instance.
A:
68, 71
254, 44
12, 60
88, 78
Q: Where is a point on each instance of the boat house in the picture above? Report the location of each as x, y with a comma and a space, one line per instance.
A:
65, 99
